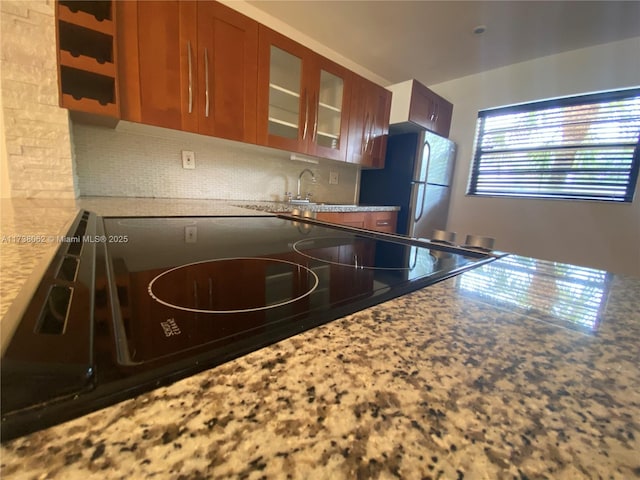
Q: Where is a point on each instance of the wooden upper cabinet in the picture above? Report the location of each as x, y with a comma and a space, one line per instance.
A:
189, 66
203, 67
157, 41
368, 124
430, 110
417, 107
227, 73
303, 98
380, 107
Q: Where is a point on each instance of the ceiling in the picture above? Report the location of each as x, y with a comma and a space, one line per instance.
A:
433, 41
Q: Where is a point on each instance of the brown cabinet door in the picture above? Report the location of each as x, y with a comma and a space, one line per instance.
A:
422, 107
189, 66
443, 115
382, 221
368, 124
358, 122
381, 110
350, 219
227, 59
158, 40
430, 110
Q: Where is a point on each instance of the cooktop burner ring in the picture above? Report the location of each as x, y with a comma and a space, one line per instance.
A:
342, 264
310, 290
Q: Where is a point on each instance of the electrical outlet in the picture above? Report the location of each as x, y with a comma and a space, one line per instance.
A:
188, 159
333, 178
191, 234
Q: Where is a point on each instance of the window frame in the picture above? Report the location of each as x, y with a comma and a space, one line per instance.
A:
539, 106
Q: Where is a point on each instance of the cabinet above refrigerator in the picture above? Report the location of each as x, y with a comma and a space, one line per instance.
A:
414, 107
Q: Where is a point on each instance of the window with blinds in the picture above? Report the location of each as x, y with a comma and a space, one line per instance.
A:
583, 148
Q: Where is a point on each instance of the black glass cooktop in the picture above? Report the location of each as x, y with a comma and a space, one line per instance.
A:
173, 296
193, 283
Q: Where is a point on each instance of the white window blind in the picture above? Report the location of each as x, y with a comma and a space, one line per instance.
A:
585, 148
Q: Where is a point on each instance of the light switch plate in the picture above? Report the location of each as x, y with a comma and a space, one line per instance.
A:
188, 159
333, 178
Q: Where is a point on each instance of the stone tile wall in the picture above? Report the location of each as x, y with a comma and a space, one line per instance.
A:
37, 131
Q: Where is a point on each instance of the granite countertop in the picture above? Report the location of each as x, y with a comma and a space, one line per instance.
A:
518, 369
281, 207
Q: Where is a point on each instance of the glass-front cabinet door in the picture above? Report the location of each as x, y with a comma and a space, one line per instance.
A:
301, 99
329, 110
285, 83
283, 99
330, 100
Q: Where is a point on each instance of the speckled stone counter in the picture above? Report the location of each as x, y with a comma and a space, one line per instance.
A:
281, 207
518, 369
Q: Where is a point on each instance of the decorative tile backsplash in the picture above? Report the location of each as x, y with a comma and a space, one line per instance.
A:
142, 161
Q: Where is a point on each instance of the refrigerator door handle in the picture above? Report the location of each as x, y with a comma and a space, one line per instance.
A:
418, 201
424, 159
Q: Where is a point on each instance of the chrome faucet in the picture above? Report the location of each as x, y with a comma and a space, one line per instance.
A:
313, 179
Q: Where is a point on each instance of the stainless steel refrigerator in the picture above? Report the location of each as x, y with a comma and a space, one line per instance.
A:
417, 177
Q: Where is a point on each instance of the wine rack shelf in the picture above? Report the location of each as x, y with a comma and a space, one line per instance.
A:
87, 63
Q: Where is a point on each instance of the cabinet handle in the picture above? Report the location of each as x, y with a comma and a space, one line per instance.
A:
306, 114
435, 112
190, 77
382, 223
371, 133
366, 146
315, 121
206, 83
365, 140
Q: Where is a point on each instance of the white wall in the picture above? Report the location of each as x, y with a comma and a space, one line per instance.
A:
595, 234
